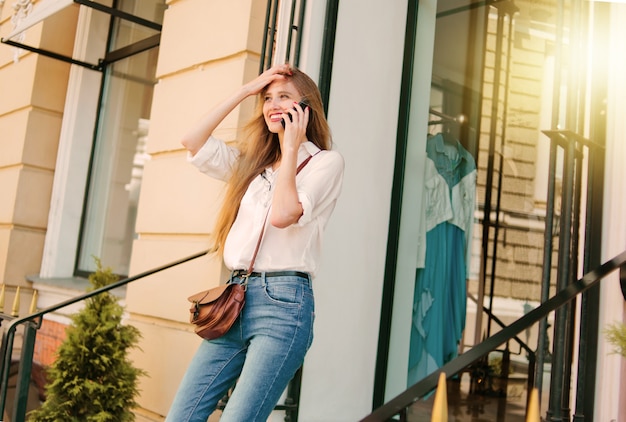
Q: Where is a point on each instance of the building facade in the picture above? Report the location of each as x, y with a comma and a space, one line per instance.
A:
91, 165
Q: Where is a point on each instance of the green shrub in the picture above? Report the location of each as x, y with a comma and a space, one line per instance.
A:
92, 379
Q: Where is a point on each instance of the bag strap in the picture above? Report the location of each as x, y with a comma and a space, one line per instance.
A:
258, 243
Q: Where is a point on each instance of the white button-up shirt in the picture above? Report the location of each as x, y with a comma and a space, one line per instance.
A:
296, 247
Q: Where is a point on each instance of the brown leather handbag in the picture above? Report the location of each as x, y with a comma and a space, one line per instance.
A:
214, 311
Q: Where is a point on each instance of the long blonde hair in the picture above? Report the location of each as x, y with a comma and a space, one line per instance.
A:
261, 148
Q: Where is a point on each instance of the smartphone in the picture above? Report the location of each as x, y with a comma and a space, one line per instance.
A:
303, 105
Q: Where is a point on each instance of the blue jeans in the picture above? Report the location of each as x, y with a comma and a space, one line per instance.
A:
262, 352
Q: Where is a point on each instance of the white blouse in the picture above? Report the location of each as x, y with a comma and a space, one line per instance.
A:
296, 247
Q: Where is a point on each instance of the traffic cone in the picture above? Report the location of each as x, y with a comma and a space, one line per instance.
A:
532, 414
440, 406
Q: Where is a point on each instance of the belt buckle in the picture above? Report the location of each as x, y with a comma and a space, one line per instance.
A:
244, 275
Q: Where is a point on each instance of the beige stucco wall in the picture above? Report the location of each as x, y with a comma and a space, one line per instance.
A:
207, 50
32, 99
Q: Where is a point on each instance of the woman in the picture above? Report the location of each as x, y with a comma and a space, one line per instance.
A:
268, 342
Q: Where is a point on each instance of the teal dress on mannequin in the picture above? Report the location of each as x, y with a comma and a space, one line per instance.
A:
439, 302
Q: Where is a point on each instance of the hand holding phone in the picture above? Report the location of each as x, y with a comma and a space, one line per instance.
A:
303, 105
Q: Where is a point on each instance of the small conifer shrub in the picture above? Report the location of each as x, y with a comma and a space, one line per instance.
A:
92, 378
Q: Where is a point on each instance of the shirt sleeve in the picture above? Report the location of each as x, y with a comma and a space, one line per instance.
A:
320, 185
215, 158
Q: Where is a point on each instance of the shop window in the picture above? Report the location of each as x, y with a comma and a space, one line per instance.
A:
119, 151
502, 90
106, 118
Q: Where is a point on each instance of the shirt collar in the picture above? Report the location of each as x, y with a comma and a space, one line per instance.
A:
440, 147
307, 148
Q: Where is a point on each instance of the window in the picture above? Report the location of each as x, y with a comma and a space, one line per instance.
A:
108, 222
486, 201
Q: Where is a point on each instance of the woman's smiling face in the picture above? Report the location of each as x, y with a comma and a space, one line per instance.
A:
279, 98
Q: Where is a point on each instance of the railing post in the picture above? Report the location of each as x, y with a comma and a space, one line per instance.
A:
7, 350
292, 402
504, 385
24, 372
530, 382
561, 320
542, 342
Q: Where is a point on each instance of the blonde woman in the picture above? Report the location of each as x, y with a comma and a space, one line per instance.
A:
268, 342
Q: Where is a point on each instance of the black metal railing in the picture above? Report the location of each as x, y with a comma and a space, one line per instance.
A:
398, 406
32, 322
530, 354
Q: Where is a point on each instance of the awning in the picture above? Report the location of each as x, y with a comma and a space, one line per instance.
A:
46, 8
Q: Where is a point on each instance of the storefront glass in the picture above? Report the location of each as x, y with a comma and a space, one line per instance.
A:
108, 228
494, 190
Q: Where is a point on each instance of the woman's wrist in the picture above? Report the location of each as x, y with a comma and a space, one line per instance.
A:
247, 90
